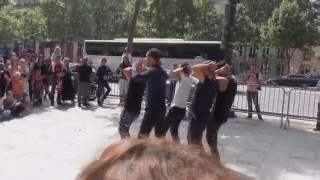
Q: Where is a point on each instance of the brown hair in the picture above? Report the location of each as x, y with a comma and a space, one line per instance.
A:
154, 160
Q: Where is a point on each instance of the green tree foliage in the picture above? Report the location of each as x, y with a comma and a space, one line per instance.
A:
18, 24
68, 19
291, 26
9, 28
188, 19
207, 22
251, 17
54, 12
111, 18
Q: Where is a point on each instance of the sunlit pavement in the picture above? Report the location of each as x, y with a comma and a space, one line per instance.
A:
54, 144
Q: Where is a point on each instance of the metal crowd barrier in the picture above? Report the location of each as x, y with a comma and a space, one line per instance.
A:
302, 104
295, 103
271, 101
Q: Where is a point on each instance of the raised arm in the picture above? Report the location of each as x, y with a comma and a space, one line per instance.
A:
178, 73
127, 72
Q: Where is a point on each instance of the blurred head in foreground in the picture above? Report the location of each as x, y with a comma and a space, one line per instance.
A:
154, 160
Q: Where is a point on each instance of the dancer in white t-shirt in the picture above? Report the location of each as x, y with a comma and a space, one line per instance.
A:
180, 101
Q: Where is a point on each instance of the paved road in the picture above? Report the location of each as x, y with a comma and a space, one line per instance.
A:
54, 144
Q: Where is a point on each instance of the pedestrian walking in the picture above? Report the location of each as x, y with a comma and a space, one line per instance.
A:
155, 78
84, 74
224, 100
104, 74
204, 95
123, 82
180, 100
132, 104
253, 86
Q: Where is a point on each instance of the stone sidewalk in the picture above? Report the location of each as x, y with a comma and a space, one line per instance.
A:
54, 144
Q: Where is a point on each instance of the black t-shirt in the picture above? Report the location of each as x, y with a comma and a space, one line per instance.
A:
224, 102
203, 98
103, 71
155, 79
134, 96
84, 72
121, 67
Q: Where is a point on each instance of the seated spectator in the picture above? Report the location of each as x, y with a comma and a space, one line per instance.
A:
154, 160
13, 106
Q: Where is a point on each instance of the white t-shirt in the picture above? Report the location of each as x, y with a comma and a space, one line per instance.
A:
182, 91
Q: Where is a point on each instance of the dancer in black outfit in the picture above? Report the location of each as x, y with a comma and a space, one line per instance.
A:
132, 104
203, 98
155, 79
226, 94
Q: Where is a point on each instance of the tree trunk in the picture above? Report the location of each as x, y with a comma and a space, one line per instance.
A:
289, 58
133, 23
230, 14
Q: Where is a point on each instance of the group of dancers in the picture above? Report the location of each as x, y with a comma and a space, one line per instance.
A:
213, 97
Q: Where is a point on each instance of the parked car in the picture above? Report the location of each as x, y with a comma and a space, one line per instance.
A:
295, 80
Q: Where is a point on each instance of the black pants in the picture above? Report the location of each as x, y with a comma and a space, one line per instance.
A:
101, 86
318, 118
174, 119
253, 97
126, 119
197, 126
212, 134
153, 119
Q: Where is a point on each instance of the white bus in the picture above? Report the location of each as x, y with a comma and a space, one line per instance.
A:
173, 51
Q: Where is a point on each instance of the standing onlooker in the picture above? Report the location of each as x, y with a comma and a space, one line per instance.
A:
44, 73
103, 74
25, 79
37, 86
132, 106
253, 86
155, 78
57, 68
4, 82
68, 91
123, 83
16, 84
84, 73
180, 101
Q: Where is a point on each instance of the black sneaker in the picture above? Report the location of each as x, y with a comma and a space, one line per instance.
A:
86, 104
